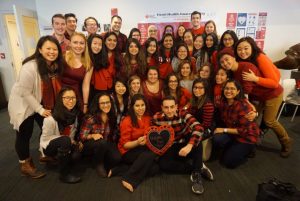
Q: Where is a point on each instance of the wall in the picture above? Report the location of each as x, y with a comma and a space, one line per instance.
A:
6, 69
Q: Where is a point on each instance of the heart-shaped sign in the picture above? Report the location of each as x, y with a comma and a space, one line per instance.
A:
159, 138
242, 20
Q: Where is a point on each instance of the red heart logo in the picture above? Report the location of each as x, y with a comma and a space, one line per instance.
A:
159, 138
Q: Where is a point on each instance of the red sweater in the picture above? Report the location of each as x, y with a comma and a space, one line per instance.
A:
256, 91
130, 133
198, 31
165, 67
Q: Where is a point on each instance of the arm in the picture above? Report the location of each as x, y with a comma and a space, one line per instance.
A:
208, 114
86, 88
195, 127
87, 129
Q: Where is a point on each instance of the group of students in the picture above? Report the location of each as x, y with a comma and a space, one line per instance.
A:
93, 98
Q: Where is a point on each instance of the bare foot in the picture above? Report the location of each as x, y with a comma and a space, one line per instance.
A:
128, 186
109, 173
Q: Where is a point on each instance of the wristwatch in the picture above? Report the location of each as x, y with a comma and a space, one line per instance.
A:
225, 130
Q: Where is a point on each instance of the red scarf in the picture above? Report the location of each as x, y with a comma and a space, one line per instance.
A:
50, 89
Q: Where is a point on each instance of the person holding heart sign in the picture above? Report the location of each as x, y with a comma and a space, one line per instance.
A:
132, 143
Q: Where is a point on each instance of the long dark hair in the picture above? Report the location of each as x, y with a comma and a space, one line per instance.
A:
147, 44
239, 88
61, 114
210, 50
140, 59
131, 112
167, 89
43, 68
255, 50
99, 60
164, 32
162, 49
125, 95
132, 31
199, 102
94, 110
233, 36
117, 54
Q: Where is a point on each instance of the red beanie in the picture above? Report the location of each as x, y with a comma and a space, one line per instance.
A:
226, 50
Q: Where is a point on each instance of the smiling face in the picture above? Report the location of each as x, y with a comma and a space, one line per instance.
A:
152, 31
204, 72
69, 99
96, 45
182, 53
120, 88
173, 83
71, 24
230, 91
188, 38
135, 86
77, 44
198, 43
133, 49
168, 42
111, 42
209, 41
180, 31
104, 104
185, 70
152, 76
151, 48
136, 35
221, 76
116, 24
59, 26
139, 108
196, 20
244, 50
227, 62
228, 40
49, 51
209, 28
91, 26
198, 89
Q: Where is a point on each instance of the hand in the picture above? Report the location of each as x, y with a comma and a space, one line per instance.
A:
185, 150
46, 113
251, 116
218, 130
250, 76
97, 136
141, 140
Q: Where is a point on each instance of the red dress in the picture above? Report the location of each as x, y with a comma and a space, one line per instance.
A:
153, 99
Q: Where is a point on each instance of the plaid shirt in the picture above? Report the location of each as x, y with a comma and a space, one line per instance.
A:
185, 126
234, 117
93, 125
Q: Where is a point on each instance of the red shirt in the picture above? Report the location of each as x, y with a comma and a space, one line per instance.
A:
165, 67
198, 31
130, 133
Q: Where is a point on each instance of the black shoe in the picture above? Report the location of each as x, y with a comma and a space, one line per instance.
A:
70, 179
206, 173
197, 186
101, 171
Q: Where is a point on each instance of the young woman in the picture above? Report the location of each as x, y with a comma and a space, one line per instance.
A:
239, 136
210, 27
132, 144
198, 45
33, 96
134, 84
58, 134
120, 98
186, 75
210, 47
188, 39
151, 51
134, 59
202, 108
222, 76
182, 54
228, 39
206, 72
169, 29
166, 54
98, 134
135, 33
102, 79
152, 89
269, 98
78, 70
172, 88
179, 35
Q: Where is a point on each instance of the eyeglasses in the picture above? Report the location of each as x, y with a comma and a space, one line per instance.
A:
105, 103
69, 98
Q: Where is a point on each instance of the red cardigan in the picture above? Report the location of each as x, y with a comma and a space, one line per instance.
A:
131, 133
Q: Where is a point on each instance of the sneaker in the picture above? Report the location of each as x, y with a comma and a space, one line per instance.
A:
206, 173
197, 186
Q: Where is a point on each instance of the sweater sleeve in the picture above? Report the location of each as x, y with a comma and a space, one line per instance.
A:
125, 132
270, 74
208, 114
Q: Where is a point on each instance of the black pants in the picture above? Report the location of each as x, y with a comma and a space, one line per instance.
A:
173, 163
103, 151
141, 161
63, 142
24, 134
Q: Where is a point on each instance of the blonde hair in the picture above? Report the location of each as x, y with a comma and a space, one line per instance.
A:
85, 57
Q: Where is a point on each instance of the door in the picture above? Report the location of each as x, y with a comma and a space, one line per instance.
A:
23, 31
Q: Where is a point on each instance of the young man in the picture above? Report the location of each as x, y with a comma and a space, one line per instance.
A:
91, 25
196, 23
187, 144
59, 27
116, 24
71, 25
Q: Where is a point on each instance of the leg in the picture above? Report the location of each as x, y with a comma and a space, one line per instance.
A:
236, 154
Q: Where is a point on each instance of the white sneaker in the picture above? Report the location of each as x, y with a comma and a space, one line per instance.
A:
206, 173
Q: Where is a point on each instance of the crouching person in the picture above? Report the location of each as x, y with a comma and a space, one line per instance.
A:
188, 135
59, 131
